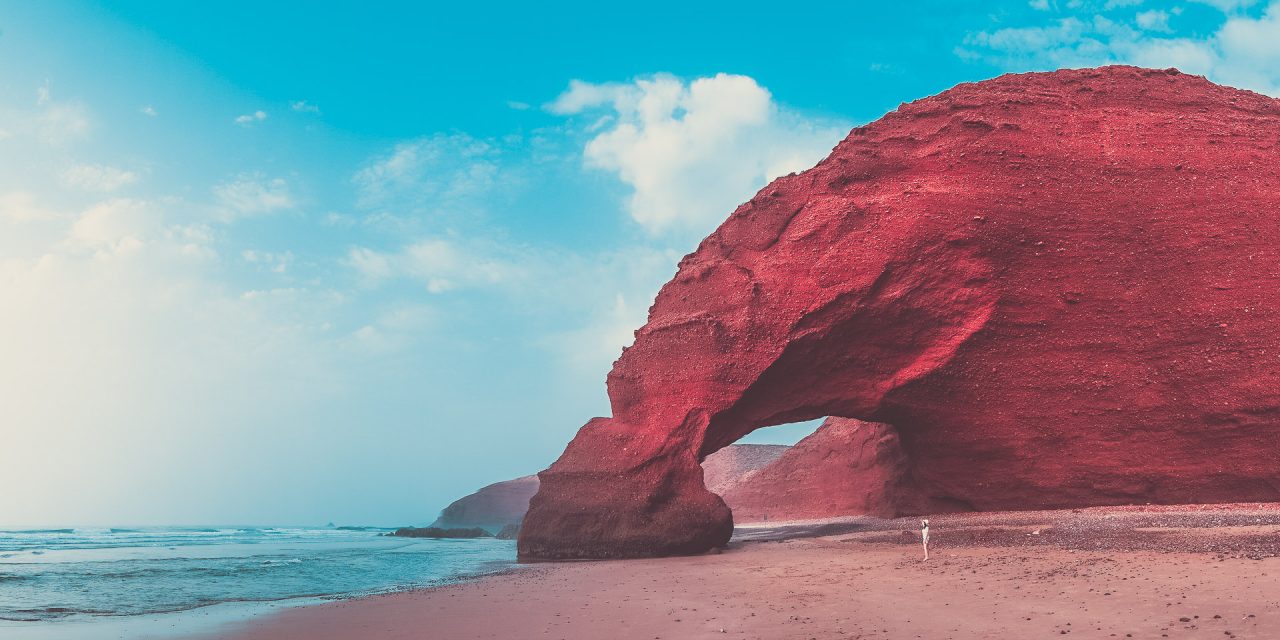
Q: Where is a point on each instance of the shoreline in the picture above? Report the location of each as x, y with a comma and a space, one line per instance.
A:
208, 618
211, 620
1082, 572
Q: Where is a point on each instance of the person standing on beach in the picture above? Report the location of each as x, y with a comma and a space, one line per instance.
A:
924, 537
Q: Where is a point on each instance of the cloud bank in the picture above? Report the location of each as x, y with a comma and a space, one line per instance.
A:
692, 151
1242, 52
172, 326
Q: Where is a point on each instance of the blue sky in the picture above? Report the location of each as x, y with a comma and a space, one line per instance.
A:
273, 263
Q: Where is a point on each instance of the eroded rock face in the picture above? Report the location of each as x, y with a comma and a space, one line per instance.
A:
1059, 287
845, 468
499, 508
736, 464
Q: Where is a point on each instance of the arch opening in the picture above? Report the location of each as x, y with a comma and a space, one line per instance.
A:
817, 469
787, 434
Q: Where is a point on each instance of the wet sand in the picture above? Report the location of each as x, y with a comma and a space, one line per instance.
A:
1134, 572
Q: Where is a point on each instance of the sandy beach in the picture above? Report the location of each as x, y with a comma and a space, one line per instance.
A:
1131, 572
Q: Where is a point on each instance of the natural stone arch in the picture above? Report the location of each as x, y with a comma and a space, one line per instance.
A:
1056, 286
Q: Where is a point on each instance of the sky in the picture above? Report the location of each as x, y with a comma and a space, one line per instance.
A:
274, 263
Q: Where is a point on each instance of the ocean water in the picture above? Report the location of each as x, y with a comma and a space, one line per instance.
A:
71, 578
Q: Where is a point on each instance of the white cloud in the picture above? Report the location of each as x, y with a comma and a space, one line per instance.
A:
443, 264
22, 206
301, 106
691, 152
435, 173
251, 195
606, 293
115, 227
150, 330
1244, 52
1067, 42
594, 346
373, 266
1153, 20
52, 121
249, 119
1082, 5
394, 329
129, 352
96, 177
59, 122
438, 263
276, 262
581, 96
1228, 6
1250, 45
614, 290
149, 111
1189, 56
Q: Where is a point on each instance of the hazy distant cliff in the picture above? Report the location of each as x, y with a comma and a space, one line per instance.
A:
491, 508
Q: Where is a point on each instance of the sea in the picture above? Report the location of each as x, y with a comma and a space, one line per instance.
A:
166, 582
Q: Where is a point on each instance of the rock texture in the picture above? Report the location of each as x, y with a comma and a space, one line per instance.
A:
1059, 287
491, 508
846, 467
736, 464
500, 507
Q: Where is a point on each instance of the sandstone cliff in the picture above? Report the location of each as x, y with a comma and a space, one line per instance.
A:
735, 464
1059, 288
845, 468
491, 508
500, 507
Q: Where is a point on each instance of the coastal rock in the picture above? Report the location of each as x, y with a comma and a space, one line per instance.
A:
845, 468
737, 463
1058, 287
491, 508
499, 508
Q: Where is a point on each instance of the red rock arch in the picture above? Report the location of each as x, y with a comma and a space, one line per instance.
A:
1059, 287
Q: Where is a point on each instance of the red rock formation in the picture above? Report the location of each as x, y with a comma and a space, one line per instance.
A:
1059, 287
491, 508
845, 468
736, 464
502, 505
